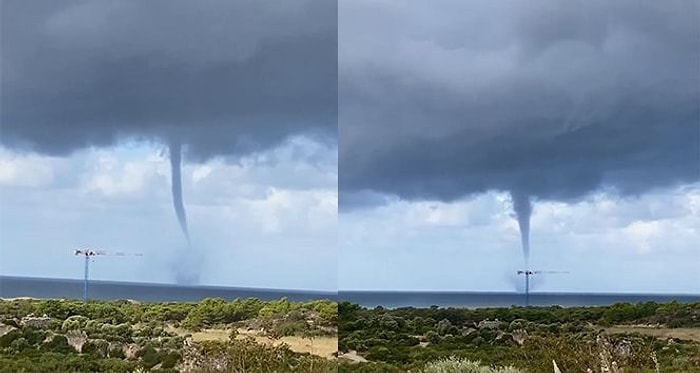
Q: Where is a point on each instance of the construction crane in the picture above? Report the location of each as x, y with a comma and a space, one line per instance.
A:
89, 253
529, 273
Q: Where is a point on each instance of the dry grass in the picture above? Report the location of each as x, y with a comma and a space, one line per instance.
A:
211, 335
320, 346
692, 334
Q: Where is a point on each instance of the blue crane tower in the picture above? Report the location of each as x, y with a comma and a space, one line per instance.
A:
89, 254
529, 273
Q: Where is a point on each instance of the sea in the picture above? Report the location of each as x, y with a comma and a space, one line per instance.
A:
15, 287
421, 299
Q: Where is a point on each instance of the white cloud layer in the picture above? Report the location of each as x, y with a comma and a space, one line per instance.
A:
268, 220
649, 243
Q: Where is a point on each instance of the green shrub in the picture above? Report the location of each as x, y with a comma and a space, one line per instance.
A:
20, 345
75, 322
149, 357
327, 310
116, 352
456, 365
58, 343
10, 337
279, 307
248, 356
99, 348
171, 359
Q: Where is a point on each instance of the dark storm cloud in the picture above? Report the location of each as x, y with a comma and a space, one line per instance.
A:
223, 77
355, 200
216, 77
543, 98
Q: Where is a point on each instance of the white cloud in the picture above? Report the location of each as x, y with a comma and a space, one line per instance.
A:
276, 214
641, 234
25, 170
112, 177
243, 214
475, 244
201, 172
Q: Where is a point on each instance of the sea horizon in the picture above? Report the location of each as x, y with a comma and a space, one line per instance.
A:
44, 287
47, 288
488, 299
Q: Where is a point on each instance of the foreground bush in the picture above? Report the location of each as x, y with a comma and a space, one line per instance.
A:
455, 365
246, 356
527, 338
42, 336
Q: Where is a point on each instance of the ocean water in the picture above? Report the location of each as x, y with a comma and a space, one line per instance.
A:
14, 287
371, 299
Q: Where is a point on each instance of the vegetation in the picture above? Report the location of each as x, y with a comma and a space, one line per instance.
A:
219, 336
124, 336
454, 365
410, 339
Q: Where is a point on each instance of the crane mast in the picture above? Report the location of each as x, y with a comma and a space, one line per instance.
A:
529, 273
88, 253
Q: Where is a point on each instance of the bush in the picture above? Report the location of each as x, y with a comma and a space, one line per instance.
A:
116, 352
149, 357
248, 356
279, 307
170, 360
10, 337
75, 322
455, 365
58, 343
20, 344
327, 311
97, 348
108, 325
